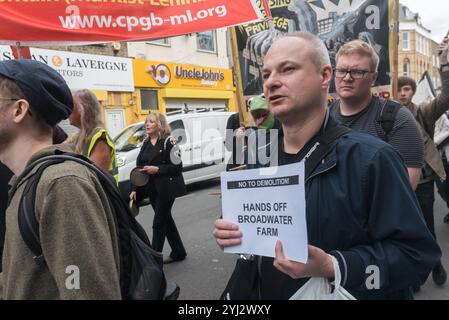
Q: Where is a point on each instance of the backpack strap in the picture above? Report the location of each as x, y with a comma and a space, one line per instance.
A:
388, 112
321, 147
28, 224
126, 225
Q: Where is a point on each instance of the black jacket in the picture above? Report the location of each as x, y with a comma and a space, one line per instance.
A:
5, 176
362, 210
168, 182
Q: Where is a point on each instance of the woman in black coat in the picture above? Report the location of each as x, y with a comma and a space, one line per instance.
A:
159, 158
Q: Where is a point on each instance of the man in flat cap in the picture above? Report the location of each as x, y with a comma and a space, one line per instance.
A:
76, 225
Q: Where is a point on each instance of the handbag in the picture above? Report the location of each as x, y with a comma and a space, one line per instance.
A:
176, 186
322, 289
244, 281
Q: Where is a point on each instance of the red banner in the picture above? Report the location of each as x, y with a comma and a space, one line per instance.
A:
29, 21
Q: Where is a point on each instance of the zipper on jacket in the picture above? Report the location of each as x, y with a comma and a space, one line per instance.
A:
320, 172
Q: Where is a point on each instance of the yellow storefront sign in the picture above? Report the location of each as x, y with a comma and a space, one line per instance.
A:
173, 85
174, 75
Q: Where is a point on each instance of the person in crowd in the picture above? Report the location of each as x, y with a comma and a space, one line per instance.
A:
59, 136
426, 115
92, 139
232, 125
360, 207
261, 116
159, 158
441, 139
261, 124
5, 176
77, 229
358, 109
264, 129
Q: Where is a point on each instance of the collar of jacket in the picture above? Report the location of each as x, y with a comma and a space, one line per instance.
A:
156, 149
17, 181
330, 160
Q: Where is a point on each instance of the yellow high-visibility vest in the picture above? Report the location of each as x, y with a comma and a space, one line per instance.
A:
97, 134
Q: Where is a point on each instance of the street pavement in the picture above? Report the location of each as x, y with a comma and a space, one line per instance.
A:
204, 273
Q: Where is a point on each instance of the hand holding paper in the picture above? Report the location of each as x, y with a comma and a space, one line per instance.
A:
261, 206
319, 264
227, 233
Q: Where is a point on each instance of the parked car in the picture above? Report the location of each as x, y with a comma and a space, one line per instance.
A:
201, 140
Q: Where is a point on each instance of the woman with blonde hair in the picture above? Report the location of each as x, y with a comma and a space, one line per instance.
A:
92, 139
159, 158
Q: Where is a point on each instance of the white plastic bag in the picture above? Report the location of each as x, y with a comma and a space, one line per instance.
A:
321, 288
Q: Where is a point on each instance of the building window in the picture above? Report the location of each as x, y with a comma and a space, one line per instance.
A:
418, 43
162, 42
406, 68
405, 41
148, 100
115, 99
205, 41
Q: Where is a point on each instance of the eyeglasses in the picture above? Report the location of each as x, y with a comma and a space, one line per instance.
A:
10, 99
354, 74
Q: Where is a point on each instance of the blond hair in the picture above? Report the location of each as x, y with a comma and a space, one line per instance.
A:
362, 48
161, 122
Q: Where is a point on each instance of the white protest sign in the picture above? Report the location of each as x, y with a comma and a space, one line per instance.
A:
268, 204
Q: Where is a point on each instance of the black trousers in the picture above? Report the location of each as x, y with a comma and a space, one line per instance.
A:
426, 198
164, 226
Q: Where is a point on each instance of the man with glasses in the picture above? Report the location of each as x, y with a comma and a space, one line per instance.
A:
357, 108
359, 211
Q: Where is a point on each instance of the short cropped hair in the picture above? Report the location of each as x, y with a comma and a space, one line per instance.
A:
407, 81
319, 53
10, 89
362, 48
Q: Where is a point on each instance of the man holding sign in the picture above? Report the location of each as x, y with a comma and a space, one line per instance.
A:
360, 207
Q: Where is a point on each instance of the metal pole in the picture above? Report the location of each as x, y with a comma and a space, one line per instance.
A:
395, 69
241, 105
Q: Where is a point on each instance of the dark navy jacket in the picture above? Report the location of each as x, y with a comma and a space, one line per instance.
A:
361, 208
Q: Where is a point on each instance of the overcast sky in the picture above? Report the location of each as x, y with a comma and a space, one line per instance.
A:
434, 15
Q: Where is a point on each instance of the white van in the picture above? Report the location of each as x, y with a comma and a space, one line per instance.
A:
201, 139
